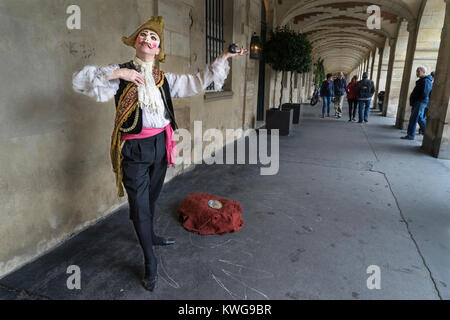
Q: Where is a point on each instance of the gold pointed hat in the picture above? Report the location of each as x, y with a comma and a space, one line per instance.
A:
155, 24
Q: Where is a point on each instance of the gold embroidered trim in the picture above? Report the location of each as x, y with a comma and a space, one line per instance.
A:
135, 122
160, 81
127, 104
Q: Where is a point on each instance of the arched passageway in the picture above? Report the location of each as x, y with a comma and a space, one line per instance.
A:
412, 33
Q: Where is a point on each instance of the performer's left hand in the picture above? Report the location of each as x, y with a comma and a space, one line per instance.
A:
240, 52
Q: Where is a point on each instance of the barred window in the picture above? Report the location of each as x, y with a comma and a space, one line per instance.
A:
214, 31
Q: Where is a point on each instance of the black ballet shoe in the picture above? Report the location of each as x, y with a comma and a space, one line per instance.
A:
150, 283
160, 241
150, 278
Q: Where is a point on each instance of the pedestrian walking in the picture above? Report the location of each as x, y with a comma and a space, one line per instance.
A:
364, 91
327, 93
352, 98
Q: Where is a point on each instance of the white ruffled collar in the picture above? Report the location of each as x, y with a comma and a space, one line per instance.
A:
148, 94
145, 65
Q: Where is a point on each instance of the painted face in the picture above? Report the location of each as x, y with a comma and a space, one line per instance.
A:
148, 39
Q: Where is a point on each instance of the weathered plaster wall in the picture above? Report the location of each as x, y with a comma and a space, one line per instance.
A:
56, 176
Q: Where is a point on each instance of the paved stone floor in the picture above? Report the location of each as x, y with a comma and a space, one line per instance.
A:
347, 196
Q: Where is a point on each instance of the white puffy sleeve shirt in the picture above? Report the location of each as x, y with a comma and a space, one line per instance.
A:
93, 82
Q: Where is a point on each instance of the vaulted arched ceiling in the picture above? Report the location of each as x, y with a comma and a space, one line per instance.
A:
338, 29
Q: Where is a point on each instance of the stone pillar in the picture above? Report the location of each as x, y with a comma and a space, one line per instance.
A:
304, 79
373, 56
376, 78
437, 133
390, 68
307, 79
305, 86
395, 73
384, 66
310, 88
424, 52
409, 59
300, 88
374, 71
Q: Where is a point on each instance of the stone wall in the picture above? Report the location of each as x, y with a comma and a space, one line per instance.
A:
56, 174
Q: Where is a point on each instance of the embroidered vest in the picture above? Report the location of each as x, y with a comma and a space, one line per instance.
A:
129, 117
133, 124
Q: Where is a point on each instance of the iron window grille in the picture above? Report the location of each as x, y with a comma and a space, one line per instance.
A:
214, 32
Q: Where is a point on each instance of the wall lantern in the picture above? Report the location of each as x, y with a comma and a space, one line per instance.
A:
255, 47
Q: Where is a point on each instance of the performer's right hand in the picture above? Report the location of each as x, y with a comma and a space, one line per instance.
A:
128, 75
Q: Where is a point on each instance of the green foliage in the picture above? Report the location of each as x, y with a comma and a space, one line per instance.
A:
288, 50
319, 72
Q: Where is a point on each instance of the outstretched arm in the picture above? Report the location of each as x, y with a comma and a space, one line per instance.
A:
188, 85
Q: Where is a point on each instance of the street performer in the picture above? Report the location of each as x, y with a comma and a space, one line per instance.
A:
142, 145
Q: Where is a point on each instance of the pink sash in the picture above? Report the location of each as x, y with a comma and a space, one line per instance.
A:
171, 146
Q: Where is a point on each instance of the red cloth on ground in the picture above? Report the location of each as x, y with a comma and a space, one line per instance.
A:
198, 217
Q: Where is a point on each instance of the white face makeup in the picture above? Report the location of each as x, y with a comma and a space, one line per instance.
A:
150, 38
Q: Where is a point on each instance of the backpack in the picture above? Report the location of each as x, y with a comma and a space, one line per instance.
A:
365, 89
325, 90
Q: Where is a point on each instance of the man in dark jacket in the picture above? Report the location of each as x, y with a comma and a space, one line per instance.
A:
327, 93
365, 90
339, 91
419, 99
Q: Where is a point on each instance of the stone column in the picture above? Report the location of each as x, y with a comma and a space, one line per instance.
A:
425, 52
307, 80
373, 57
303, 87
300, 88
409, 59
384, 66
390, 69
396, 76
437, 133
376, 78
310, 85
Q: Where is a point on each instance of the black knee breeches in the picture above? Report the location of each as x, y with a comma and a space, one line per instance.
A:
144, 167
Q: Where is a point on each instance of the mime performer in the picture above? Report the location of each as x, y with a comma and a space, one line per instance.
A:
142, 146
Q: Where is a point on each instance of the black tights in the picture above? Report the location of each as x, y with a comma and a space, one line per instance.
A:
147, 239
352, 107
144, 231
